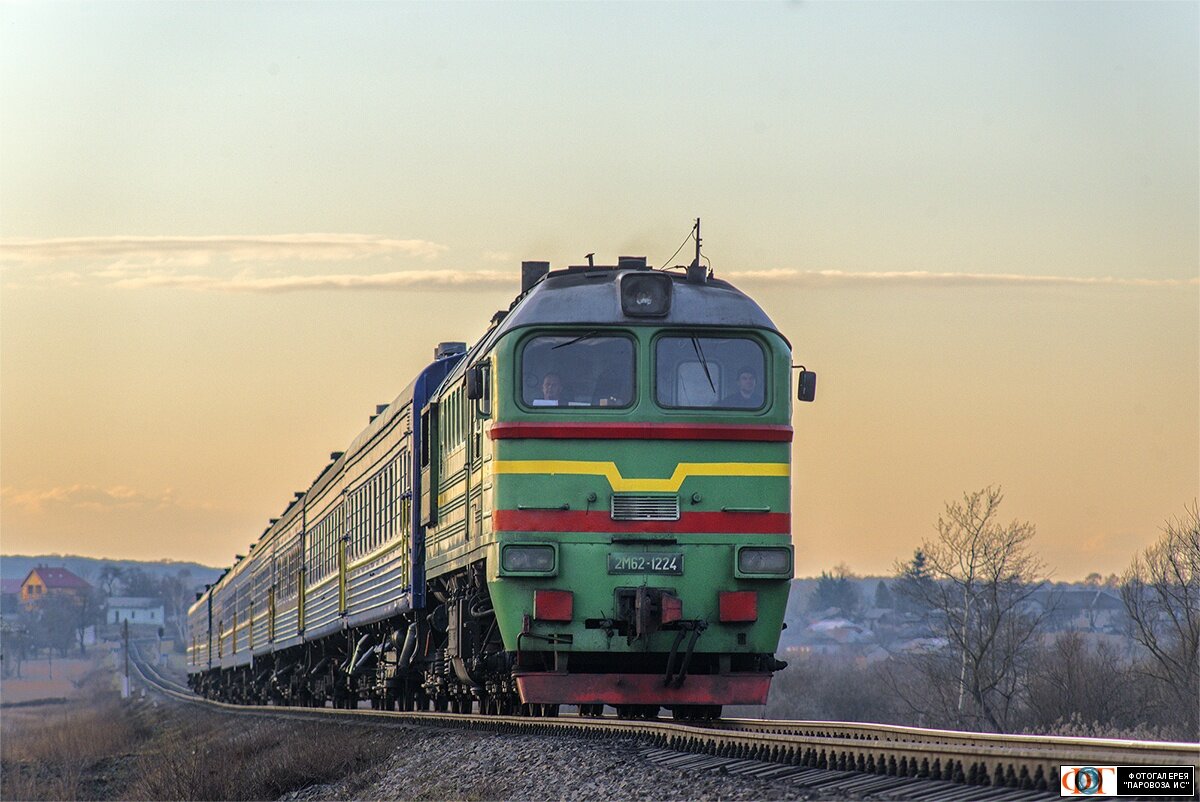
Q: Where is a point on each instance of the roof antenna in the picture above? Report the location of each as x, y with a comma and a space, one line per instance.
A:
696, 272
696, 228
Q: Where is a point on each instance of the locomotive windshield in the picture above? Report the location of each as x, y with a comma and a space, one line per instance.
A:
577, 370
709, 372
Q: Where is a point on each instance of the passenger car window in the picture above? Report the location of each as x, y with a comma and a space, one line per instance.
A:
709, 372
577, 370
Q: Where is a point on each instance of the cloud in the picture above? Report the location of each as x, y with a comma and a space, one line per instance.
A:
122, 252
241, 264
452, 279
401, 280
91, 498
841, 278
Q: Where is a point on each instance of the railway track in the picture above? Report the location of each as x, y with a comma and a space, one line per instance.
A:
834, 757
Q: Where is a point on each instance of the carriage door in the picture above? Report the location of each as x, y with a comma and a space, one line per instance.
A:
475, 467
430, 478
271, 613
341, 564
208, 646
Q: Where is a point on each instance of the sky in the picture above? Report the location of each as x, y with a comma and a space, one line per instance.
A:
227, 231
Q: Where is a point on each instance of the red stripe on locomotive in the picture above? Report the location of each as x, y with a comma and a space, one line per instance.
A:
518, 430
598, 520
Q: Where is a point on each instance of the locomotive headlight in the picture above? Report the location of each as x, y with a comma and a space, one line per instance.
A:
528, 559
764, 561
645, 294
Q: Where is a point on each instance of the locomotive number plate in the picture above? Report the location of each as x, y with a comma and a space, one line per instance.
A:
641, 563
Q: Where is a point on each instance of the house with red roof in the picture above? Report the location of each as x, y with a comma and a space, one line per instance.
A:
43, 581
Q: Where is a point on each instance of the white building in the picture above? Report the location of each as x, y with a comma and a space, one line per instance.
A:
135, 610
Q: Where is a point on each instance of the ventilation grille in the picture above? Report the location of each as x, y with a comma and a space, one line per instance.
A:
645, 508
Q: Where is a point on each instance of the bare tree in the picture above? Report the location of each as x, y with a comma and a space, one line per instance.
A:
1075, 679
110, 577
52, 622
977, 577
14, 646
138, 582
62, 620
176, 591
1161, 591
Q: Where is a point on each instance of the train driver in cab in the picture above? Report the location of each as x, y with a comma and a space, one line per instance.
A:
747, 394
551, 395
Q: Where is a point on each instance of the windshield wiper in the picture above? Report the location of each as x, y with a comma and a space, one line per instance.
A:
589, 335
704, 364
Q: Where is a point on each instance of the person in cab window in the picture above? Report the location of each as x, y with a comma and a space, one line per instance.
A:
748, 395
551, 391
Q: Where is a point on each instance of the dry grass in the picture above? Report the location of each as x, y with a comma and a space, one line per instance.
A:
72, 752
227, 758
99, 747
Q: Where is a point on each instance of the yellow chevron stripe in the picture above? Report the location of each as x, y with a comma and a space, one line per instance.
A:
620, 484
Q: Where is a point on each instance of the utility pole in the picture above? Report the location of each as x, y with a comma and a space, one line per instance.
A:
125, 679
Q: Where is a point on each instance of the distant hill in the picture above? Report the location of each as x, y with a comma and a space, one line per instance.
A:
18, 566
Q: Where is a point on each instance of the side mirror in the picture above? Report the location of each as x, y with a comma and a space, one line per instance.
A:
479, 379
475, 382
806, 388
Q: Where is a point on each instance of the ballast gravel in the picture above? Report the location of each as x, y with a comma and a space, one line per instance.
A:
436, 764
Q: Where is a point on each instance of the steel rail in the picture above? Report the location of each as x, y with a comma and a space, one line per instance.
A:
978, 759
1074, 751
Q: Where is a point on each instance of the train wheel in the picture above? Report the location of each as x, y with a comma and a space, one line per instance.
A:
696, 712
637, 711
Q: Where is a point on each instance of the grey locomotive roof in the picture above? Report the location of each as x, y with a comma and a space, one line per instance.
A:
591, 296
